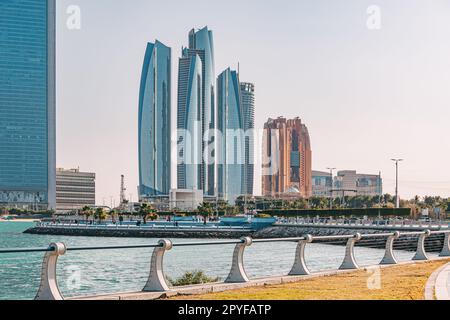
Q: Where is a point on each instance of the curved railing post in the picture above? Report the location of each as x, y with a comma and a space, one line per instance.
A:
421, 254
48, 288
156, 280
349, 260
237, 272
389, 257
446, 248
300, 268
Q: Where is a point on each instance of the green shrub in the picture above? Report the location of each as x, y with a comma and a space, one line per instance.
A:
191, 278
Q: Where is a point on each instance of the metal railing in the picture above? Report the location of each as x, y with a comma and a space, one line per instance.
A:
372, 224
156, 282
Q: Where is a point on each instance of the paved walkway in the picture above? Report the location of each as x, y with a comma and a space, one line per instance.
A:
438, 286
220, 287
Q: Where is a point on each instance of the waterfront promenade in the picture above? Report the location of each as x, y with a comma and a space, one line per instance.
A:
157, 287
406, 281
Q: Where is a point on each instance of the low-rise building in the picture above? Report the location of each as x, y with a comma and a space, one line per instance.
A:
357, 184
185, 199
321, 184
74, 190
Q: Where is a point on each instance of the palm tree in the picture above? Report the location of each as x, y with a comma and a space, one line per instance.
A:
100, 214
205, 210
86, 212
147, 210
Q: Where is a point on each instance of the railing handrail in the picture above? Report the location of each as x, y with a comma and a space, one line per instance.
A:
26, 250
48, 288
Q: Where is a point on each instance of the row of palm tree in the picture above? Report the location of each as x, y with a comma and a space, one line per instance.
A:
98, 214
361, 201
146, 212
207, 209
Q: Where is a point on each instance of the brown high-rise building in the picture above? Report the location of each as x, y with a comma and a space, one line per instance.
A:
287, 158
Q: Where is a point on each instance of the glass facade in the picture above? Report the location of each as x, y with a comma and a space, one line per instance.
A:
190, 121
231, 146
248, 107
154, 122
27, 103
202, 42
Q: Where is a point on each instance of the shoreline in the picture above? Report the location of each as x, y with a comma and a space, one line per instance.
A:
433, 243
21, 220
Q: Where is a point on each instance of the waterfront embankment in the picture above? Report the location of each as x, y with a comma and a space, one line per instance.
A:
433, 243
20, 220
112, 232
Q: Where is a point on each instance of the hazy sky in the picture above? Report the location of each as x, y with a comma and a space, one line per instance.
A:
365, 95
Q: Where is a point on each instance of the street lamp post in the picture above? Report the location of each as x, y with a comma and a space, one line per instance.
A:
331, 188
397, 199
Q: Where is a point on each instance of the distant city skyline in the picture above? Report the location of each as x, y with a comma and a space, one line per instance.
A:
328, 68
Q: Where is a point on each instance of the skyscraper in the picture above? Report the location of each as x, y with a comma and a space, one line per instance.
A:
154, 122
202, 43
248, 109
190, 121
27, 104
230, 145
287, 158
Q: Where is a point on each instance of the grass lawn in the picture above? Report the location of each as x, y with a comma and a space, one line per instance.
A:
401, 282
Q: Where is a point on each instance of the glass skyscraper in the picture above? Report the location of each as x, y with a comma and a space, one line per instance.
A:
248, 109
202, 43
231, 146
190, 121
154, 122
27, 104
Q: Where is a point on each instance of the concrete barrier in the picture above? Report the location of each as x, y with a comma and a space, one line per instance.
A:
156, 280
48, 288
446, 248
389, 257
300, 268
421, 254
237, 272
349, 259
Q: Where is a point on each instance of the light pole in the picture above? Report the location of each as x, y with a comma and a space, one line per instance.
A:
397, 199
331, 187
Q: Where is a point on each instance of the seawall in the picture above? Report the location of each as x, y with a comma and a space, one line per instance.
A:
140, 233
434, 243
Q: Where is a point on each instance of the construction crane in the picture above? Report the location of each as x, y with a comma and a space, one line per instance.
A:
123, 200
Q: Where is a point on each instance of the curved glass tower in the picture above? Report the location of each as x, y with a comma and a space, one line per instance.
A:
190, 121
202, 42
27, 104
231, 144
248, 109
154, 122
